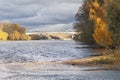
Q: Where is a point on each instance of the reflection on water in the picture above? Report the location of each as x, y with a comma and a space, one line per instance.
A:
21, 60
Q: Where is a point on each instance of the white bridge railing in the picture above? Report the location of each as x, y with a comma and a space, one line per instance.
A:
28, 33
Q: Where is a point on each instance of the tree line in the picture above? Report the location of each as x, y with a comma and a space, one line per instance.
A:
99, 23
12, 32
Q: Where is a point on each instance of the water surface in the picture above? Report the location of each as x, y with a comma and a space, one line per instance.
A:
19, 60
53, 50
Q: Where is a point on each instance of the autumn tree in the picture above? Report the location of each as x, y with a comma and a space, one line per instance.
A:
22, 30
15, 27
83, 25
15, 32
3, 35
23, 36
9, 28
15, 35
103, 15
113, 14
98, 15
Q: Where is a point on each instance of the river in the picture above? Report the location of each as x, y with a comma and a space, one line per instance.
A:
34, 60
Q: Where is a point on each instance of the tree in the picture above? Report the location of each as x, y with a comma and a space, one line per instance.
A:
9, 28
15, 27
83, 25
23, 36
113, 12
22, 30
3, 35
15, 35
103, 15
15, 32
97, 14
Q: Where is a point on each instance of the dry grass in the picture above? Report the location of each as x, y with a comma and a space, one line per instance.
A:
107, 61
90, 60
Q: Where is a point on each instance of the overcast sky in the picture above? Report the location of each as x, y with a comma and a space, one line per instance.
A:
40, 15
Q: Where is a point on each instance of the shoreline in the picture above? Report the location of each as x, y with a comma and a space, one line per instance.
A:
90, 62
84, 62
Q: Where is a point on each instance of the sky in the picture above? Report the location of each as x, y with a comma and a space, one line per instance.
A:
40, 15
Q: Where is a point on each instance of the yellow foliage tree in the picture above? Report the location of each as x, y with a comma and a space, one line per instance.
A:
101, 33
15, 35
23, 37
29, 38
3, 35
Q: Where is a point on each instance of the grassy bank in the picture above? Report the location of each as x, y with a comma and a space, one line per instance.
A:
110, 61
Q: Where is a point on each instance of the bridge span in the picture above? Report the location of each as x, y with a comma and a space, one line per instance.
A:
37, 32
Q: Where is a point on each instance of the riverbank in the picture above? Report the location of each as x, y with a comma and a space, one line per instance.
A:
104, 62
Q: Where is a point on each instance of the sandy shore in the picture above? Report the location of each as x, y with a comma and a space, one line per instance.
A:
87, 62
90, 62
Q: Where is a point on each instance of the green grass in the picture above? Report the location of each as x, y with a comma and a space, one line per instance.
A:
103, 61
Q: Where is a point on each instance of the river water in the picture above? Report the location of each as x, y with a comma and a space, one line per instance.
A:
33, 60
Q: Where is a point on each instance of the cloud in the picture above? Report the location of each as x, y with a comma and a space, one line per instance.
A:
54, 27
41, 14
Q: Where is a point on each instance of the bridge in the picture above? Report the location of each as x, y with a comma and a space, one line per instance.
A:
62, 35
38, 32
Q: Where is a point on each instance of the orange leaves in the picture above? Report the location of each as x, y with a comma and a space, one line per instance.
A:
96, 4
98, 20
101, 34
92, 14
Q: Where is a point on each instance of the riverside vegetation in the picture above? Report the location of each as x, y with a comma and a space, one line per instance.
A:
99, 23
9, 31
12, 32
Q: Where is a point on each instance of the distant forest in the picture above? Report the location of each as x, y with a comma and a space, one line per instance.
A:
10, 31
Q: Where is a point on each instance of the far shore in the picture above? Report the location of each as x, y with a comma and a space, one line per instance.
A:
39, 40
